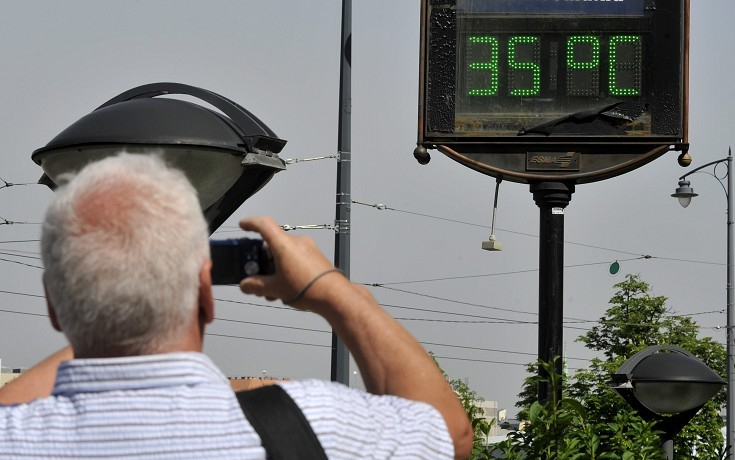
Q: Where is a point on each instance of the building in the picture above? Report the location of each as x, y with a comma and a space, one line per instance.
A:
251, 383
494, 415
8, 375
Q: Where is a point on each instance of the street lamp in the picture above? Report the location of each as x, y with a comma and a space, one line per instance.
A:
684, 193
227, 156
666, 384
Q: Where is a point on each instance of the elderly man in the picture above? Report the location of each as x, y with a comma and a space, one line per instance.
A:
127, 281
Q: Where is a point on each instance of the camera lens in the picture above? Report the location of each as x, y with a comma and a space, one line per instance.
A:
251, 268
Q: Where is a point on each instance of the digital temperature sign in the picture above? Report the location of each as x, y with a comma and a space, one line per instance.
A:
509, 74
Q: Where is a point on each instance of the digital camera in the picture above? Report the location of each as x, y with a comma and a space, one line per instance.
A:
233, 260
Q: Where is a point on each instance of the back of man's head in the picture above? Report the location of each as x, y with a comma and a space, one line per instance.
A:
123, 244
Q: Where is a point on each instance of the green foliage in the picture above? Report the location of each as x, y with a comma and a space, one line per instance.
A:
565, 430
470, 400
592, 421
475, 413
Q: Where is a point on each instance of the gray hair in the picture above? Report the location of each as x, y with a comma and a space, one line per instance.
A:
123, 243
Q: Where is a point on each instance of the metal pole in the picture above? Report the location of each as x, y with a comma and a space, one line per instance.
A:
730, 411
668, 447
340, 353
551, 198
730, 346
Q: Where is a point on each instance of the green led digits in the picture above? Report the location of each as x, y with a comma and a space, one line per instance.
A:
625, 65
511, 65
488, 47
592, 54
583, 65
524, 75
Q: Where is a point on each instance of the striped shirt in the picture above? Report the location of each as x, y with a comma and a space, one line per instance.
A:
180, 406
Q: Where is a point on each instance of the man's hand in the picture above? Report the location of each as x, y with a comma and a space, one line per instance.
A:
297, 259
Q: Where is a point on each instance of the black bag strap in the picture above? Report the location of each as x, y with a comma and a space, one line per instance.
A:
284, 431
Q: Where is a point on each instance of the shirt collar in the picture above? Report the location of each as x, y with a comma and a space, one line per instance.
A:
136, 372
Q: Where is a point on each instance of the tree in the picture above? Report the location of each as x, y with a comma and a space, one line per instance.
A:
635, 320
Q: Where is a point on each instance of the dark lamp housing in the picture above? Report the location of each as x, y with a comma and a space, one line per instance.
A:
227, 156
669, 383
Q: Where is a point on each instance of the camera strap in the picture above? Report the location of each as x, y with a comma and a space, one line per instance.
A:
284, 431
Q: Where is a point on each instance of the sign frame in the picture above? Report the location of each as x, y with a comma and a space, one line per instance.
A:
535, 155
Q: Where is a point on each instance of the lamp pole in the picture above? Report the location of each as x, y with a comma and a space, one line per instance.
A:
685, 193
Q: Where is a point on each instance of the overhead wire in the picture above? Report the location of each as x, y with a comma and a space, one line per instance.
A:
15, 254
495, 350
515, 272
303, 160
486, 320
474, 348
477, 319
382, 207
7, 184
20, 263
384, 285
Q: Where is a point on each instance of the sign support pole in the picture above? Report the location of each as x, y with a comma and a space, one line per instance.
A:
340, 369
551, 198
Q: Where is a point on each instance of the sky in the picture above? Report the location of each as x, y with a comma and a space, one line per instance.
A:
280, 60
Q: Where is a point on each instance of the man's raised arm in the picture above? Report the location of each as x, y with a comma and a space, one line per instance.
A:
391, 361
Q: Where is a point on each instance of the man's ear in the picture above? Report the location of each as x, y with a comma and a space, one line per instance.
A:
51, 311
206, 300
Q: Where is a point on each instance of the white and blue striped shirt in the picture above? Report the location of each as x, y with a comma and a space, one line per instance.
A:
180, 406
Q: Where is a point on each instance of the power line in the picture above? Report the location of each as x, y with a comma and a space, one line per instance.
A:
284, 227
18, 251
287, 342
5, 221
481, 361
494, 350
23, 294
273, 325
452, 321
20, 263
510, 310
326, 157
24, 313
11, 254
515, 272
480, 319
465, 315
567, 322
7, 184
382, 207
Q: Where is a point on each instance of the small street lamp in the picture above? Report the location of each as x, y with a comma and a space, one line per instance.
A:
666, 384
685, 193
227, 156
